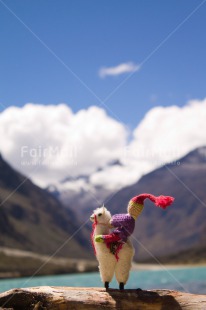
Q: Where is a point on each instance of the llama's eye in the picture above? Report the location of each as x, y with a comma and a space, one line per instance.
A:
100, 214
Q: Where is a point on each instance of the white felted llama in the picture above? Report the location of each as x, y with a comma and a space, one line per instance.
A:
114, 250
111, 260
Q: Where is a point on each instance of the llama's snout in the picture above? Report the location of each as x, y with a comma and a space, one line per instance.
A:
92, 218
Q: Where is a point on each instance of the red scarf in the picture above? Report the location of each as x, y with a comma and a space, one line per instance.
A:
112, 246
92, 234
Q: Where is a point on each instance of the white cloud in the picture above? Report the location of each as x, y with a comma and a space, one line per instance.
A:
65, 143
163, 136
167, 133
120, 69
72, 144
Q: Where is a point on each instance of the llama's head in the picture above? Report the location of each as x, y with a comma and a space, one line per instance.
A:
102, 215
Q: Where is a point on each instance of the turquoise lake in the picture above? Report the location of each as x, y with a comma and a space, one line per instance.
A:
191, 280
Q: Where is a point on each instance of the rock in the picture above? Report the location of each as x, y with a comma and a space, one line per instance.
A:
62, 298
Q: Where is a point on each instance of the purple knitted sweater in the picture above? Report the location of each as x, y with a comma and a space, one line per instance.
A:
124, 224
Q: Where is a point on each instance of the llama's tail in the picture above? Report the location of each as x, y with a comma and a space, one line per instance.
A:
160, 201
136, 204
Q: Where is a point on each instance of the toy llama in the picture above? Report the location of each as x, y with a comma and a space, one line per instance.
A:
110, 261
118, 242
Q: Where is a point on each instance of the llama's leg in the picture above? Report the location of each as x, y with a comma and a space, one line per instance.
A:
106, 285
123, 265
107, 262
122, 270
107, 270
121, 286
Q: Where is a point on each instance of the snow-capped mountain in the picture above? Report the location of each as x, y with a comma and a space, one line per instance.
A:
180, 228
80, 194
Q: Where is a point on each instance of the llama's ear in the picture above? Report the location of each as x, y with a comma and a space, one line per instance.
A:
103, 208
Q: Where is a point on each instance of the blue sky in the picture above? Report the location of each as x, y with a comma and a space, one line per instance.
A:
86, 35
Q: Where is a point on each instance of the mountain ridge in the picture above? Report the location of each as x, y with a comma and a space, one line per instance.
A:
182, 225
160, 232
32, 219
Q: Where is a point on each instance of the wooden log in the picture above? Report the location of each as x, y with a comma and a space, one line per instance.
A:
77, 298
